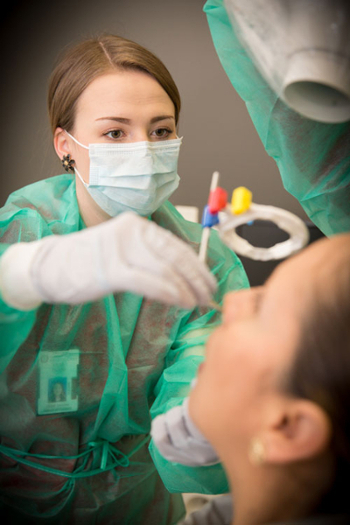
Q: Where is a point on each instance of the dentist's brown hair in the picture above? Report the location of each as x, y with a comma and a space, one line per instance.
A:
89, 59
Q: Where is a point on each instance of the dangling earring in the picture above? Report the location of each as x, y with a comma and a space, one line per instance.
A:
257, 452
68, 163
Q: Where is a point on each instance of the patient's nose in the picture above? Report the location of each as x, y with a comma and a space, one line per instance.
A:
238, 305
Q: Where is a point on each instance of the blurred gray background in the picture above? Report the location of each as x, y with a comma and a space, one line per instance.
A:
218, 133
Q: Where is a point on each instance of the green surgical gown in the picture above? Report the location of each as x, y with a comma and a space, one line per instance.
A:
93, 463
313, 157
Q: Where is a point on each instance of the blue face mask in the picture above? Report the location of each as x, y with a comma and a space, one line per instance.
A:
136, 176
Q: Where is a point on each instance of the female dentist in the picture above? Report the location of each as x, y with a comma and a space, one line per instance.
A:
102, 292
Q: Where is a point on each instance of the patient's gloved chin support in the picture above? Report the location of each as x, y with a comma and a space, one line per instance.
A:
179, 440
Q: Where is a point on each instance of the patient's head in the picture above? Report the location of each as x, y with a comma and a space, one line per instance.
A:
273, 395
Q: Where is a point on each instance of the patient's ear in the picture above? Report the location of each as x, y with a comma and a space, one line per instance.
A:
299, 431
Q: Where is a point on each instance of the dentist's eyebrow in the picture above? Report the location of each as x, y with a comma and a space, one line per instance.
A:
161, 117
123, 120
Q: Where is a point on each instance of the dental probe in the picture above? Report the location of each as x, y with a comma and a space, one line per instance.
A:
216, 202
207, 224
215, 305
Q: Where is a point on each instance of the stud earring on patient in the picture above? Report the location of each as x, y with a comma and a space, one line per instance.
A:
68, 163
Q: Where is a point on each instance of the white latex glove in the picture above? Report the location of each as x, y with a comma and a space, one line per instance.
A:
179, 440
126, 253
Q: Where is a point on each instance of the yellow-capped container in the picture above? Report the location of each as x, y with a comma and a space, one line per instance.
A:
241, 200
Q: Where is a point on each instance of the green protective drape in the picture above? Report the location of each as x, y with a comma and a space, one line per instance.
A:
93, 465
313, 158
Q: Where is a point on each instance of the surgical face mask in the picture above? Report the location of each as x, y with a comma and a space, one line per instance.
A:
136, 176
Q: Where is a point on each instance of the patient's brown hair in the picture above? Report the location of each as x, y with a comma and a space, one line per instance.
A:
321, 370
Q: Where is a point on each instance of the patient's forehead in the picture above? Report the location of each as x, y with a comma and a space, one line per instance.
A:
316, 262
318, 272
297, 282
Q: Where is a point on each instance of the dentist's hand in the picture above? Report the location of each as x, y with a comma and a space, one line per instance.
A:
126, 253
178, 439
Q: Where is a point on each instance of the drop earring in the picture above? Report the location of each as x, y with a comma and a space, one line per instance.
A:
68, 163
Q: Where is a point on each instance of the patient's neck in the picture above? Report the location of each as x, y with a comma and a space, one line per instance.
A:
274, 494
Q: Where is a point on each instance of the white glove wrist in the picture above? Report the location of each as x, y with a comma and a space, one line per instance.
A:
179, 440
16, 284
192, 428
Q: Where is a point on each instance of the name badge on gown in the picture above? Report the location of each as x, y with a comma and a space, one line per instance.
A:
58, 382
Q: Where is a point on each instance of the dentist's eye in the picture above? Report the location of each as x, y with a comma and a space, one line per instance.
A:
161, 133
115, 134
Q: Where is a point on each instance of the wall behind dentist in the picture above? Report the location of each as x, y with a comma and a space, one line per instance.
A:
217, 131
